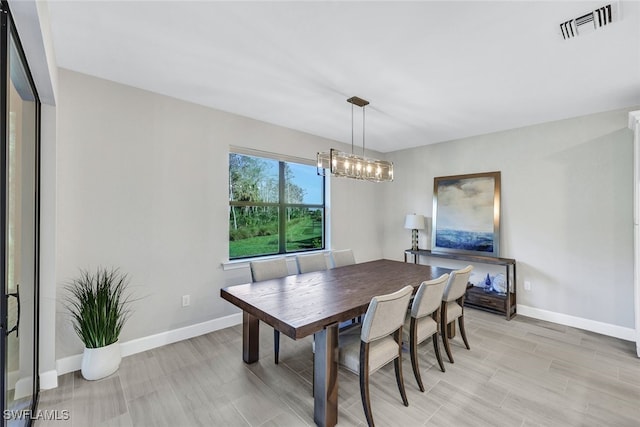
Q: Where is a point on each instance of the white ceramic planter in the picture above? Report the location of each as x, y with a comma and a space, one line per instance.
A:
100, 362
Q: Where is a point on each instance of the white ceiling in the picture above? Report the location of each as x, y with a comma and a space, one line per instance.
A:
433, 71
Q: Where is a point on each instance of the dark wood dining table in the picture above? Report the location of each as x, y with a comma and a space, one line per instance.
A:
315, 303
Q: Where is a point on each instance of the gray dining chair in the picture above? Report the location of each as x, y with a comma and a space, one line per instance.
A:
423, 321
267, 270
311, 262
378, 342
452, 307
342, 257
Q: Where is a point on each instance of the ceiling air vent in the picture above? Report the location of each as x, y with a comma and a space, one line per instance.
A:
590, 21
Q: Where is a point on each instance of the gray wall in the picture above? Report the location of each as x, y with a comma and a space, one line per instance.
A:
142, 184
566, 208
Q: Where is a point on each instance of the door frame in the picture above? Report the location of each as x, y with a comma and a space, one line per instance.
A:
634, 125
7, 29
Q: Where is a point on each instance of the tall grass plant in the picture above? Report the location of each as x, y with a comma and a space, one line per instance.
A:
99, 304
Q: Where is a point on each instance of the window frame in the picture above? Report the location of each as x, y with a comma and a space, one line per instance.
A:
281, 205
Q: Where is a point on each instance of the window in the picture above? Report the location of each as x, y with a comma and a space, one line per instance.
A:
275, 207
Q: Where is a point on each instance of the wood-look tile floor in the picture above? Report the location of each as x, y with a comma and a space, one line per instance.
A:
522, 372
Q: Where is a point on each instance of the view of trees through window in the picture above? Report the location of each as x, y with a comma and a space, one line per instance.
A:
274, 207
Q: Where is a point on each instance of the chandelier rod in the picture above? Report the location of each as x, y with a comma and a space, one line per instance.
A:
351, 128
363, 108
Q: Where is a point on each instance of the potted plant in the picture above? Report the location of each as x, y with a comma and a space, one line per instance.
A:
99, 307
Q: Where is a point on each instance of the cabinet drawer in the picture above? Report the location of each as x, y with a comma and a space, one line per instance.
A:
478, 297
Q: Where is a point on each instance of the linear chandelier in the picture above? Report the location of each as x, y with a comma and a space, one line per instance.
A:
342, 164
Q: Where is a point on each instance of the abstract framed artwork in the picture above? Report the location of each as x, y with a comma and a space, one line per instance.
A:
466, 214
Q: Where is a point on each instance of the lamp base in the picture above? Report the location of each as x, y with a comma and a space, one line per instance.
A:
414, 239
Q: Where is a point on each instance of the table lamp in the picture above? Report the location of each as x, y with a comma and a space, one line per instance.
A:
414, 223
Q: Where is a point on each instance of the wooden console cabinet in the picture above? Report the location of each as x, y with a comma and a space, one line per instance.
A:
477, 297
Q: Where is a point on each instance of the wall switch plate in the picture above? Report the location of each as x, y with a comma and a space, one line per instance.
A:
186, 300
527, 285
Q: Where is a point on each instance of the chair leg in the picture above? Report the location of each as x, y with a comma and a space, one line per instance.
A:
413, 350
436, 315
436, 349
397, 364
462, 331
276, 345
364, 382
443, 331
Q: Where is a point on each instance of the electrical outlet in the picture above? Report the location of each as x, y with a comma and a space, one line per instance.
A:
527, 286
186, 300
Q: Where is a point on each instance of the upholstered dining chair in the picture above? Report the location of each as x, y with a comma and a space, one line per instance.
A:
374, 347
267, 270
342, 257
423, 321
311, 262
453, 306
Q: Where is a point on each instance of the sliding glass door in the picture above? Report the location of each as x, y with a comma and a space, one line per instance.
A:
19, 142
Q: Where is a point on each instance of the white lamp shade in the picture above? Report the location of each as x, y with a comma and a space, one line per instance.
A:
414, 222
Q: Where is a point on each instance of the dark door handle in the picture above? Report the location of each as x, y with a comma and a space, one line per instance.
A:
16, 295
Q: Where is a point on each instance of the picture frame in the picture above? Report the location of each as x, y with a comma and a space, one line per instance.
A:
466, 214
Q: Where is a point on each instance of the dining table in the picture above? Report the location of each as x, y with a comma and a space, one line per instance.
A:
316, 303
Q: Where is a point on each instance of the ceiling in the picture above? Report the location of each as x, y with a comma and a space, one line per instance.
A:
432, 71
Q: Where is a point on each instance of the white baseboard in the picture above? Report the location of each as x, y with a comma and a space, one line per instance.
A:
68, 364
48, 379
163, 338
12, 378
138, 345
24, 387
627, 334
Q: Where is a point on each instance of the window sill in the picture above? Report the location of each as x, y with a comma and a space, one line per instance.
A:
237, 264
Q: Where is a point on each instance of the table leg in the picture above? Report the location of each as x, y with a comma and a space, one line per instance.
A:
250, 337
325, 377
